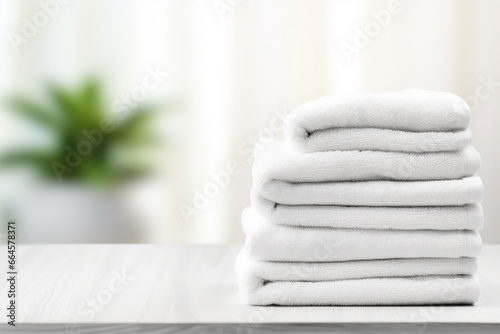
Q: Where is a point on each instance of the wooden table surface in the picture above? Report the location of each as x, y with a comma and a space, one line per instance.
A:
195, 287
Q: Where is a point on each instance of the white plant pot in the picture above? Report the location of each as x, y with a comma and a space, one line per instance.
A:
73, 213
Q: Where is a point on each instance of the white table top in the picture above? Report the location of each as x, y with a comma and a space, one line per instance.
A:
191, 284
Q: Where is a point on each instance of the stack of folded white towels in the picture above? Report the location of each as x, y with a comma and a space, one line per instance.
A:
371, 200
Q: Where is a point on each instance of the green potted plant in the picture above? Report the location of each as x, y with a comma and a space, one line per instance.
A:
92, 152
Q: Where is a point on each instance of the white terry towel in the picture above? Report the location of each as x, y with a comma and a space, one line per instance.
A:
272, 242
278, 161
408, 121
259, 281
465, 217
419, 290
264, 272
464, 191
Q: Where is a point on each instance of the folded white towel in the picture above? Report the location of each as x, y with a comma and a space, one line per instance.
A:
263, 272
409, 121
468, 190
465, 217
272, 242
278, 161
419, 290
345, 139
261, 281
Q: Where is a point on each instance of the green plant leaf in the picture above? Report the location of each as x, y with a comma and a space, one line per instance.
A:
39, 160
90, 99
68, 106
34, 112
137, 119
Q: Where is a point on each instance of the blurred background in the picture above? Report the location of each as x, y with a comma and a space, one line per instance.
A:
135, 121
